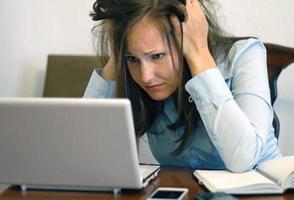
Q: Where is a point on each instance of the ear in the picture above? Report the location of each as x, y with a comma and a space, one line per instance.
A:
179, 10
181, 16
183, 1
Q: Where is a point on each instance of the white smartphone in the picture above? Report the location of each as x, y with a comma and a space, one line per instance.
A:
169, 193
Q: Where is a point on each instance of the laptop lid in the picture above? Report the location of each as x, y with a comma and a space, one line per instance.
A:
68, 143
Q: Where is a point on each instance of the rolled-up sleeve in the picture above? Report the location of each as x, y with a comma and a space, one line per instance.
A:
238, 118
98, 87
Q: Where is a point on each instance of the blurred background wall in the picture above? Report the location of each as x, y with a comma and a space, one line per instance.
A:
32, 29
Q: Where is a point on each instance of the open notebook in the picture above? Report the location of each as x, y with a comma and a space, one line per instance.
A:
271, 177
84, 144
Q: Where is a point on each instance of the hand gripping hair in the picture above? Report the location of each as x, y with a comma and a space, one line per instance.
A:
122, 9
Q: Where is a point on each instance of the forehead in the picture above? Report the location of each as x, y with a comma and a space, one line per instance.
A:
145, 36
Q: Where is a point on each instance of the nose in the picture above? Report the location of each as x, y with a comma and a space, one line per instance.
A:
147, 73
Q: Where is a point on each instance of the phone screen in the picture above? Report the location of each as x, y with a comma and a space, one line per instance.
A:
167, 194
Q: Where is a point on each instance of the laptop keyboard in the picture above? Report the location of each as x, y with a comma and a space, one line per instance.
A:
146, 170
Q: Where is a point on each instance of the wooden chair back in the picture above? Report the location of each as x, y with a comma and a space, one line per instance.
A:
278, 58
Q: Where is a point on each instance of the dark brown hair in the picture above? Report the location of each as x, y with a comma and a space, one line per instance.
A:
121, 15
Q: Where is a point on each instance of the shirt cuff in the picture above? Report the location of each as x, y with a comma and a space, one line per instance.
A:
208, 87
98, 87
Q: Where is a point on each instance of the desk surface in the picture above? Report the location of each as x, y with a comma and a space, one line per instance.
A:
166, 178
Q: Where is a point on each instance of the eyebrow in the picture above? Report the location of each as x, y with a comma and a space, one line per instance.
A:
147, 53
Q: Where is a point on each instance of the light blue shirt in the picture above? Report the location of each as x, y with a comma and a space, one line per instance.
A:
233, 100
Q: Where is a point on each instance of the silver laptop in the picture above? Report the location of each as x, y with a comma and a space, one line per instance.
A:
83, 144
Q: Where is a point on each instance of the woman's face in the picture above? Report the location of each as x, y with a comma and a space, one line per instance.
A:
150, 60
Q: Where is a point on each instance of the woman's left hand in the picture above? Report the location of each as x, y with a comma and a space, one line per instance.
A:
195, 33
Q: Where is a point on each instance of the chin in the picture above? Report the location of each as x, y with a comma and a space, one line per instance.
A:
158, 97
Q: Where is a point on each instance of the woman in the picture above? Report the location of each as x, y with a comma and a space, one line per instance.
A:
203, 100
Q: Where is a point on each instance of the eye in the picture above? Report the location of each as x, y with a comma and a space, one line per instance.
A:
158, 56
132, 59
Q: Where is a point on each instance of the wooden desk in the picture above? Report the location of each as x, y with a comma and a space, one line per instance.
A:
166, 178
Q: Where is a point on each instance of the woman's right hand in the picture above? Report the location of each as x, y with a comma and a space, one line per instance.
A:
108, 72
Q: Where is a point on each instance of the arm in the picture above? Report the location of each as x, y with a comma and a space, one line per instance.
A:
102, 82
237, 121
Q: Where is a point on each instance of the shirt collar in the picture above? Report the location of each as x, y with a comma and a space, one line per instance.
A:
170, 109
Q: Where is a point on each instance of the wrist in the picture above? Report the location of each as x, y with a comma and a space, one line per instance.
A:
106, 74
200, 62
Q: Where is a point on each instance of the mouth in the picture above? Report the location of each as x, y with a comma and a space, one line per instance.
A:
154, 87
